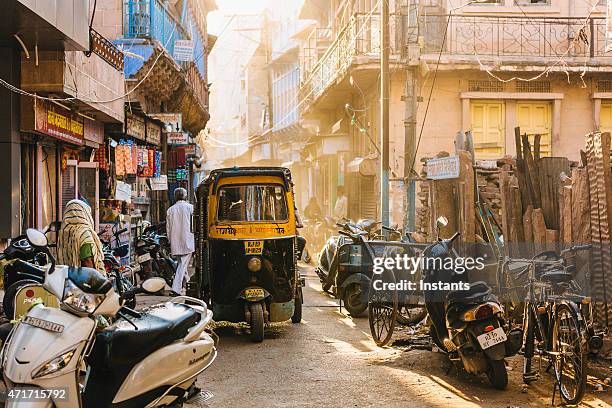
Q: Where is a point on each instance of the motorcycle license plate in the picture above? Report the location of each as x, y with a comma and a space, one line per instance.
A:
492, 338
144, 258
43, 324
253, 247
253, 293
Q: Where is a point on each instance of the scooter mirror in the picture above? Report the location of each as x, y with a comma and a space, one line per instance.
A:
36, 238
153, 285
442, 221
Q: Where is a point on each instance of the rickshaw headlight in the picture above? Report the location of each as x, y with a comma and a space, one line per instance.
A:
254, 264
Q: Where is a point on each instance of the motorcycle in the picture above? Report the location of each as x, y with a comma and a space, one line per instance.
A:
145, 359
117, 272
468, 324
17, 273
317, 232
153, 256
345, 264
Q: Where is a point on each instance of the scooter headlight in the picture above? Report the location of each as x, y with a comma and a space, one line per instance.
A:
254, 264
53, 365
78, 301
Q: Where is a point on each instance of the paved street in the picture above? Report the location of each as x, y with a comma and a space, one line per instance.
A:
330, 360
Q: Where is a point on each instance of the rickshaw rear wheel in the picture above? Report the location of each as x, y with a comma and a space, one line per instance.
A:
297, 311
257, 322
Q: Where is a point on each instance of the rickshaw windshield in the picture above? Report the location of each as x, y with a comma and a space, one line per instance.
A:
259, 202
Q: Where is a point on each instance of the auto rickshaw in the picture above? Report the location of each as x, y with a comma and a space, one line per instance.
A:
247, 247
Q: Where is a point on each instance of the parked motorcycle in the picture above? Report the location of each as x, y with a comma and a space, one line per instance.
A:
468, 324
345, 265
16, 260
145, 359
153, 255
117, 272
317, 232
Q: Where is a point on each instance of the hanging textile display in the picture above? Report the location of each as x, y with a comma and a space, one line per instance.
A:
157, 169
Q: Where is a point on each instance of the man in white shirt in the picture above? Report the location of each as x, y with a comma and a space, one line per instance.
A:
341, 207
178, 227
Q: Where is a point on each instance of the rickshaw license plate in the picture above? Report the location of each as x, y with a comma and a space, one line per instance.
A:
43, 324
253, 293
253, 247
492, 338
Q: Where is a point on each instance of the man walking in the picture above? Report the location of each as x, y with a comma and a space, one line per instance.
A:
178, 226
341, 207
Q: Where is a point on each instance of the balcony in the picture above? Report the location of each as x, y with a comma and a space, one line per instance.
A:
518, 40
153, 20
357, 43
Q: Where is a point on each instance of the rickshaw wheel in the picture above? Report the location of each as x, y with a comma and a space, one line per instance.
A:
257, 322
297, 312
382, 312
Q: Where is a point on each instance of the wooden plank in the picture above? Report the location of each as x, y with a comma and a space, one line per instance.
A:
539, 230
531, 176
517, 218
566, 216
526, 197
506, 208
536, 147
549, 172
528, 231
581, 225
552, 238
468, 177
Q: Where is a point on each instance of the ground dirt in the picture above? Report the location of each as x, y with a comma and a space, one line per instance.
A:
330, 360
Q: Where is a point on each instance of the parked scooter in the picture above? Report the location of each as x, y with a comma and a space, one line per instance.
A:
345, 265
144, 359
117, 272
468, 324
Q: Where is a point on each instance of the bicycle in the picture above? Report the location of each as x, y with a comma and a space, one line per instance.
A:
554, 323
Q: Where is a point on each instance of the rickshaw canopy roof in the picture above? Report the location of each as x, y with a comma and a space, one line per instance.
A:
218, 174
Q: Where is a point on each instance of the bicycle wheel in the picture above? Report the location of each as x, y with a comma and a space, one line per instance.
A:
382, 310
568, 353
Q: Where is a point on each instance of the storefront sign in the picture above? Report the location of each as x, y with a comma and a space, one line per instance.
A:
191, 149
123, 191
135, 126
173, 122
94, 131
159, 183
153, 133
443, 168
183, 50
53, 120
178, 138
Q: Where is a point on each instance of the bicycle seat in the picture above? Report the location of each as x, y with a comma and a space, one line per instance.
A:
557, 277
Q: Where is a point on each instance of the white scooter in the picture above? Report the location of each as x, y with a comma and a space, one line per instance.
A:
56, 357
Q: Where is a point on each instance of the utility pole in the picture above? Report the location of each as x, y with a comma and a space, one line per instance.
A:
410, 29
384, 112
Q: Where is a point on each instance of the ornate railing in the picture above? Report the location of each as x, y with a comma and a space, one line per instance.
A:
510, 36
106, 50
359, 37
197, 83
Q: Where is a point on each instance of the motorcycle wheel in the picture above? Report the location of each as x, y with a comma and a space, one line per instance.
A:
297, 312
497, 374
353, 300
257, 322
8, 303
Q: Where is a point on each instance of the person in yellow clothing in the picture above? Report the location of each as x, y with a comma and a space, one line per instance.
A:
78, 243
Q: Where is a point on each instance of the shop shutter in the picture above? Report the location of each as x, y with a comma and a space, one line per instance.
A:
535, 118
368, 202
487, 122
69, 183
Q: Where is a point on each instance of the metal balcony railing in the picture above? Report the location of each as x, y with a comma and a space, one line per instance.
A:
325, 60
152, 19
510, 36
106, 50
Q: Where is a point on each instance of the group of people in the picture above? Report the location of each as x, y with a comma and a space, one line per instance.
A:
312, 211
78, 243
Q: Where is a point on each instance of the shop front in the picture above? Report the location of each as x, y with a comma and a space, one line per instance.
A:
58, 161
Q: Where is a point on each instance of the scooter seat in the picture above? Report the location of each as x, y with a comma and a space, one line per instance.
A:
123, 344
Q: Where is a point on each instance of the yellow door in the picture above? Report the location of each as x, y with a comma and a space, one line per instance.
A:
605, 117
487, 120
535, 118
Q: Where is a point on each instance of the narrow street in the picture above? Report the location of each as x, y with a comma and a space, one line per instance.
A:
330, 360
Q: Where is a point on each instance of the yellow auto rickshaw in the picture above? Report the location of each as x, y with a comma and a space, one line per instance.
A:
248, 247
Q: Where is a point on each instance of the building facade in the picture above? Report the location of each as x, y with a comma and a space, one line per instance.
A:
485, 68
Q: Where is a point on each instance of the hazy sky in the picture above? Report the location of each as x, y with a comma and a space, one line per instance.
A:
217, 19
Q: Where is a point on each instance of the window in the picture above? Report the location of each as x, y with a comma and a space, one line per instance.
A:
264, 202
